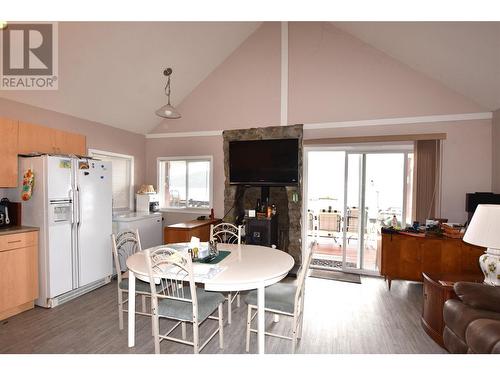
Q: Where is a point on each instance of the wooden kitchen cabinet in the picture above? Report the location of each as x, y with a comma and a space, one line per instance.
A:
18, 272
23, 138
37, 138
70, 143
8, 152
182, 232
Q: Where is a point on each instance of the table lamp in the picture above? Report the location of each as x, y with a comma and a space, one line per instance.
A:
484, 230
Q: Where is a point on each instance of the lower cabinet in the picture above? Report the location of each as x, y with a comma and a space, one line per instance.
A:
18, 272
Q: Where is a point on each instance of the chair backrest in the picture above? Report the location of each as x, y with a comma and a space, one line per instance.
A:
175, 270
124, 244
226, 233
301, 279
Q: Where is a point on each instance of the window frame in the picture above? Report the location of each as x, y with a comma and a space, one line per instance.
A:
160, 177
95, 153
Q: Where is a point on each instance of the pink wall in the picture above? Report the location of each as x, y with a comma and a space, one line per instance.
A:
496, 151
332, 77
99, 136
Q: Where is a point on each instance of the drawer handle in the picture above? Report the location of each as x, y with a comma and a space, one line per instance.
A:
14, 241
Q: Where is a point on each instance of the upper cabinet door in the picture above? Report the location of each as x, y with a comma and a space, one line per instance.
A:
8, 152
36, 138
70, 143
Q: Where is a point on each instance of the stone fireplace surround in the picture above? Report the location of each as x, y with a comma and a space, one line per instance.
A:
237, 198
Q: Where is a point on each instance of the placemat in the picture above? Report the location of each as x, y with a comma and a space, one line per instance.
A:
217, 259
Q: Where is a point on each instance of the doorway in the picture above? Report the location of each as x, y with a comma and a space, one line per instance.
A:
351, 193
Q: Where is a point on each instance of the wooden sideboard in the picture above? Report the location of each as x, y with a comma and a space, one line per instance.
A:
182, 232
406, 256
23, 138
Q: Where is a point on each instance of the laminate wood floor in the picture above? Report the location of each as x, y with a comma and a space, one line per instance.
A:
339, 318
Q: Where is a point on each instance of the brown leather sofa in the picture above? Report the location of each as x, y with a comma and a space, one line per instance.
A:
472, 324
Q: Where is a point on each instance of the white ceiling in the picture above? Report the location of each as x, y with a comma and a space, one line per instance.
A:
112, 72
464, 56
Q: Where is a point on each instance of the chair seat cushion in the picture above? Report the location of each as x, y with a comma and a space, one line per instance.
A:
140, 286
183, 310
280, 297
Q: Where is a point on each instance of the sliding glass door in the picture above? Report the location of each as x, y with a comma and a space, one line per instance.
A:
351, 194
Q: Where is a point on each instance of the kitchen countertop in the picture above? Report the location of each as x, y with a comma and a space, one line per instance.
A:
17, 229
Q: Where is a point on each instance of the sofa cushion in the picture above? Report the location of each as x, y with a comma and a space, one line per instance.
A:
483, 336
458, 316
453, 343
479, 296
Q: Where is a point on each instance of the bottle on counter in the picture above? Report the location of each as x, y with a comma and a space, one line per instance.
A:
258, 206
394, 221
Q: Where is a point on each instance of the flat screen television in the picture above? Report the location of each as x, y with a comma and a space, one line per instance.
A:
273, 162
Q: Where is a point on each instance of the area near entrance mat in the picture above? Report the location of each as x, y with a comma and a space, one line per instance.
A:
217, 259
335, 275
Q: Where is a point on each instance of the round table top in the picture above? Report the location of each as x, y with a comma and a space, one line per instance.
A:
247, 267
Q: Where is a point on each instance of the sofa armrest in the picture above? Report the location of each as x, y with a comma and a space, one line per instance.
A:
479, 296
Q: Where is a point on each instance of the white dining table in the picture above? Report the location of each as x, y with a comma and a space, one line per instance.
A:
247, 267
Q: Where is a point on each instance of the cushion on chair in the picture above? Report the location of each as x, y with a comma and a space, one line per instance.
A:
140, 286
182, 310
279, 297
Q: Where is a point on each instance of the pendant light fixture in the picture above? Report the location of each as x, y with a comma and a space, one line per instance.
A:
168, 111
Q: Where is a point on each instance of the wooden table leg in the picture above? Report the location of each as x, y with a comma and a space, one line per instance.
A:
131, 309
261, 318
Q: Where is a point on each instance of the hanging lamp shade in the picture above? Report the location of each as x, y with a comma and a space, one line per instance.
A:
168, 110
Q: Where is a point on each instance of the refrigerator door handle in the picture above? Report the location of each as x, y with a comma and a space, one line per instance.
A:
78, 210
71, 194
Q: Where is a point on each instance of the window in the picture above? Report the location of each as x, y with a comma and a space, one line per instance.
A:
122, 178
185, 183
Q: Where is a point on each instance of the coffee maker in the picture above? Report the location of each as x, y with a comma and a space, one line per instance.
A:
4, 212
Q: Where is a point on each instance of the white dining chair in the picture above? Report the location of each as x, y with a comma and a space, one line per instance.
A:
227, 233
123, 245
179, 298
282, 299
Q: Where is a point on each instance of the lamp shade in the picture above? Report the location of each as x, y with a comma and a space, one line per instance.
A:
167, 111
484, 227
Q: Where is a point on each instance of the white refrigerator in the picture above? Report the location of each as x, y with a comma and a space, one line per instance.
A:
71, 203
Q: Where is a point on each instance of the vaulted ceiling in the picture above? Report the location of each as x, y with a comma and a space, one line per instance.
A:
464, 56
112, 72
